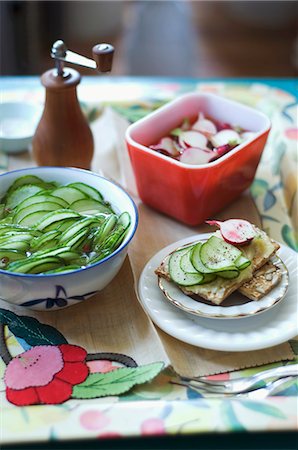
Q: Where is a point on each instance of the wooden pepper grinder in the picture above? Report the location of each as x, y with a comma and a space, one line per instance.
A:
63, 136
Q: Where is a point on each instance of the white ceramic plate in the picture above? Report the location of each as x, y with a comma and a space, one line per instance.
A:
236, 306
273, 327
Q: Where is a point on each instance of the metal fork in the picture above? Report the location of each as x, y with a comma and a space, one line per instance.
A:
238, 385
272, 388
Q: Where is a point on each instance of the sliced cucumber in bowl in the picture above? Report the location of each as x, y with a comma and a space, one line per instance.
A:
69, 194
54, 218
51, 228
35, 265
88, 190
90, 207
21, 193
42, 197
21, 213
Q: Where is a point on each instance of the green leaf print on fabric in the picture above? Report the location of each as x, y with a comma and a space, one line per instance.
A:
229, 416
115, 382
259, 187
31, 330
289, 238
269, 200
263, 408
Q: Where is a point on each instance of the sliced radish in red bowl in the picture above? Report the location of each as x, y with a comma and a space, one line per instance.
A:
225, 137
205, 126
192, 139
168, 145
194, 156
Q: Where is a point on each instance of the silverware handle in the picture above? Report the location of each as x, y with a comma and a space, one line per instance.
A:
277, 372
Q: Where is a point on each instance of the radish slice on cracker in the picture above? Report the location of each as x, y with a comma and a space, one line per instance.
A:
235, 231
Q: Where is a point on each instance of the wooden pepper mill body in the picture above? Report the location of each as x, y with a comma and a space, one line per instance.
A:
63, 136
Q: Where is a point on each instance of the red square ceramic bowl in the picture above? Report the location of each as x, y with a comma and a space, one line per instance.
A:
193, 193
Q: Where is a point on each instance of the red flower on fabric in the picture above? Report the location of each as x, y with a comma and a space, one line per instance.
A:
45, 374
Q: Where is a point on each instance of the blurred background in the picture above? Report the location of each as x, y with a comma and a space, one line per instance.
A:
163, 38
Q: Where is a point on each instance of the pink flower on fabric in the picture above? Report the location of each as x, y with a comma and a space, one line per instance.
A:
45, 374
292, 133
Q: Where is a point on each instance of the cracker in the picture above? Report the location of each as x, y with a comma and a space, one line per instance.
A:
262, 283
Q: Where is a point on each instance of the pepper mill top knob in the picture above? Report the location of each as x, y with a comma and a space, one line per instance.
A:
103, 56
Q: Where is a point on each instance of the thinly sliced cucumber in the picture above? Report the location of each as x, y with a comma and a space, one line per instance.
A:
64, 225
57, 216
15, 229
186, 264
208, 278
90, 207
35, 265
88, 190
7, 256
15, 238
178, 275
80, 224
106, 227
69, 194
32, 219
51, 252
45, 239
20, 194
188, 268
68, 268
242, 262
7, 219
216, 254
31, 179
78, 239
124, 220
2, 210
22, 246
65, 253
44, 206
39, 213
25, 179
229, 274
40, 198
116, 236
196, 259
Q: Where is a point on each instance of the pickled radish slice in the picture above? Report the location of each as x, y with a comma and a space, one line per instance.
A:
196, 156
202, 133
192, 139
235, 231
225, 137
205, 126
167, 145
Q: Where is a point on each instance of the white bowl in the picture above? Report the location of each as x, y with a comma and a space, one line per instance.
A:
55, 291
18, 122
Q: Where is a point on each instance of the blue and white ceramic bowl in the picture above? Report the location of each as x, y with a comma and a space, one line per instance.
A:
55, 291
